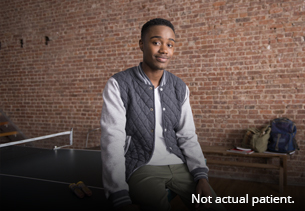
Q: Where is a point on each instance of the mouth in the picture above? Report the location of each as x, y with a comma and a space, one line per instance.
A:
162, 59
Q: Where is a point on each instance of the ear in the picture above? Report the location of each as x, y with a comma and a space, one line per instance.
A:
141, 45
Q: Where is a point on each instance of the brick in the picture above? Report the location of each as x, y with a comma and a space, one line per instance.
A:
220, 3
276, 10
284, 40
240, 20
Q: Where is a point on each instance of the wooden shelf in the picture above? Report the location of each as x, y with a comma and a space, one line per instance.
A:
3, 123
222, 150
8, 133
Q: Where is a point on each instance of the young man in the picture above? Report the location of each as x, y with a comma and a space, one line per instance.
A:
148, 137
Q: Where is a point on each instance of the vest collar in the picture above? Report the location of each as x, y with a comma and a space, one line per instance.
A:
141, 74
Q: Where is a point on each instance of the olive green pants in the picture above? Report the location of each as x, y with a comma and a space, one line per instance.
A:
147, 187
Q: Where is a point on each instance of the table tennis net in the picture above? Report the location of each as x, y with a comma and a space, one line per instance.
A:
56, 141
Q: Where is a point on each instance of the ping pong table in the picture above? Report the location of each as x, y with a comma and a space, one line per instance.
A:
35, 178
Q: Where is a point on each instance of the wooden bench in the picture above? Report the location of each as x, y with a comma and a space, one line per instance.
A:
220, 150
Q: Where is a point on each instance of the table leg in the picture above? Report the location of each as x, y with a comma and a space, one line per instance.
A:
284, 165
281, 178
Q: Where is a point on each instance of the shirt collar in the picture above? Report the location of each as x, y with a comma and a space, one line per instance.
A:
146, 80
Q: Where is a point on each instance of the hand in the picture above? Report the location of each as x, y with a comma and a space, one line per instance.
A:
128, 207
203, 189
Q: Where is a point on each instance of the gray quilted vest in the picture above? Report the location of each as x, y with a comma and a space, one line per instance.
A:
138, 99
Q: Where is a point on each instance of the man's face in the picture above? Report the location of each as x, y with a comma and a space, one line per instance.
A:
158, 47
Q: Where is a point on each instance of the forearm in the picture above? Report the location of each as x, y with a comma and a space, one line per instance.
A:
188, 142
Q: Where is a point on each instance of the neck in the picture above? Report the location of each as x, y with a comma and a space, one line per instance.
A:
153, 75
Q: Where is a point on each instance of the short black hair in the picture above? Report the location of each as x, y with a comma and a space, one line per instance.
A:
155, 22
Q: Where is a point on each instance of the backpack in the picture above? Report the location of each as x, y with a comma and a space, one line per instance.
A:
282, 136
257, 139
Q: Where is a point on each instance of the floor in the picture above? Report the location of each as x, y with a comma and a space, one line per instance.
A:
237, 191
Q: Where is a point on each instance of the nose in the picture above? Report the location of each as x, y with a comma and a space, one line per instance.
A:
163, 49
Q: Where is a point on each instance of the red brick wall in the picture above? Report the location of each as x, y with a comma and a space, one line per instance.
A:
242, 60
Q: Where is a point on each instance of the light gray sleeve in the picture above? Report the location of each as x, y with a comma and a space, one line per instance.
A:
188, 142
113, 137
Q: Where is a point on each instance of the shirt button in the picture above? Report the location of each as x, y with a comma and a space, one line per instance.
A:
165, 130
170, 149
161, 89
152, 130
150, 88
151, 109
163, 109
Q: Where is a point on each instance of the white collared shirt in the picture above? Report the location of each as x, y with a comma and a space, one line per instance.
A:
161, 156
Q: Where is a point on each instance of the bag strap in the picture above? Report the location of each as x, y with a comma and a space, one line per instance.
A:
295, 144
254, 130
261, 132
279, 119
283, 118
266, 130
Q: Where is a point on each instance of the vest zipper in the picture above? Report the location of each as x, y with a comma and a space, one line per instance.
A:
154, 140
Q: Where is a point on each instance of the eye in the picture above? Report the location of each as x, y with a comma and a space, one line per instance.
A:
170, 45
156, 43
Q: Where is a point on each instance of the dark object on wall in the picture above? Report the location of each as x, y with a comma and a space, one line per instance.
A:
47, 40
